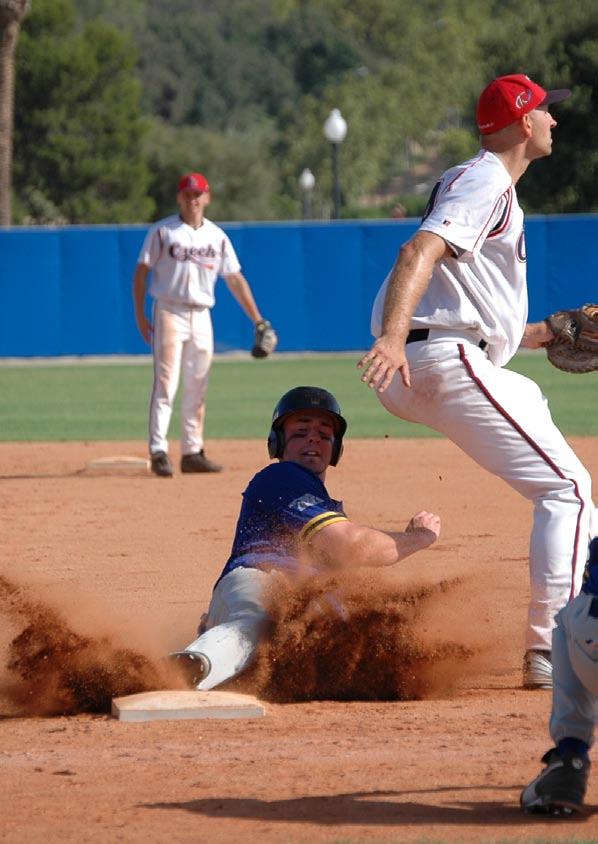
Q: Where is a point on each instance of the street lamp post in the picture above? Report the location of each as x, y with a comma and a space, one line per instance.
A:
335, 131
307, 180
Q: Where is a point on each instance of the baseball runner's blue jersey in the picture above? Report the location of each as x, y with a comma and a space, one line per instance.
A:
284, 506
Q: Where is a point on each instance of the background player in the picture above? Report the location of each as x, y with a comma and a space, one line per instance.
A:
289, 523
452, 313
186, 253
561, 787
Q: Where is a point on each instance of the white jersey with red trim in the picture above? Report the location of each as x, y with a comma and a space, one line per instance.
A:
483, 287
186, 262
460, 387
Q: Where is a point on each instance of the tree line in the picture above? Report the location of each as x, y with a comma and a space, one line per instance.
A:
113, 101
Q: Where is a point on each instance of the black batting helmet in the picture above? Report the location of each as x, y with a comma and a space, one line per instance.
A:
306, 398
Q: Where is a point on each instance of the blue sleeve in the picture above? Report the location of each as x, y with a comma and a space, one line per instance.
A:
295, 496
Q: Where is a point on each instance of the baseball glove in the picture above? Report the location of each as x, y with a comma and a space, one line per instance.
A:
575, 344
265, 339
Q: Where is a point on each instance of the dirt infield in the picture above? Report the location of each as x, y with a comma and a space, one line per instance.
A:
115, 570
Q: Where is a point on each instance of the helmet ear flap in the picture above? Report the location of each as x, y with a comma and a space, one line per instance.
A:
337, 451
276, 443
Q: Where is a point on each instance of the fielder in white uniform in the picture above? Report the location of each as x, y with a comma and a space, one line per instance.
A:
561, 787
185, 254
289, 526
452, 313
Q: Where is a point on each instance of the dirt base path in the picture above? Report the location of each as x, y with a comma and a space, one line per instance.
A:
130, 561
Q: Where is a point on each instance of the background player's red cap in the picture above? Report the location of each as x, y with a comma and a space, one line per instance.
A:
194, 181
508, 98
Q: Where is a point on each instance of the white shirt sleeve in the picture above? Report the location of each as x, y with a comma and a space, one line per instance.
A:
229, 263
152, 247
466, 210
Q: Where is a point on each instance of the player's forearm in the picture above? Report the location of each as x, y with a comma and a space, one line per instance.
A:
409, 542
359, 546
409, 281
239, 287
387, 549
406, 286
139, 281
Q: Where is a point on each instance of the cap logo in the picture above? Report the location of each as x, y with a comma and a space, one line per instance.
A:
523, 98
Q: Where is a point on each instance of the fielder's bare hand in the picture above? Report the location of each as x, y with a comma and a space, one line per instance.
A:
428, 524
383, 361
536, 335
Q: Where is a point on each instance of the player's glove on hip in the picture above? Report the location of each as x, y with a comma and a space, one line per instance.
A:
575, 344
265, 340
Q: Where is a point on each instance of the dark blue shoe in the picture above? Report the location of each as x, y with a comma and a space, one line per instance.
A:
561, 787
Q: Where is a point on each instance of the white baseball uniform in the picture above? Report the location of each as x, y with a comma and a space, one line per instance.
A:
185, 263
478, 297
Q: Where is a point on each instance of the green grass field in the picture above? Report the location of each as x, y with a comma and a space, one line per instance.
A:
109, 401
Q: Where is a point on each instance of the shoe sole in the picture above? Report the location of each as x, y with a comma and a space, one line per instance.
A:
194, 669
191, 470
555, 807
537, 672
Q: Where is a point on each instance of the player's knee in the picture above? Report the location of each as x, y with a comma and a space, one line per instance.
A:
583, 483
573, 488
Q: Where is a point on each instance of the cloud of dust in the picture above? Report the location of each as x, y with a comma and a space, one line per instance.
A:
54, 670
343, 637
349, 637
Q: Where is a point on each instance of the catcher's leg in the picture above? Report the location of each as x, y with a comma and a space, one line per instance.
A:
198, 352
561, 786
170, 331
573, 705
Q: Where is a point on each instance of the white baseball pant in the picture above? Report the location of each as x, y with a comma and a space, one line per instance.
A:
182, 341
235, 622
502, 420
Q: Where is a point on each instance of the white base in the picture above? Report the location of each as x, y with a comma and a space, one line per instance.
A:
119, 464
171, 705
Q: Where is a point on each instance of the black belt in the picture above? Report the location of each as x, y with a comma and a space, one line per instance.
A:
419, 334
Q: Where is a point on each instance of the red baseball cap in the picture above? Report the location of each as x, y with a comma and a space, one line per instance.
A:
194, 181
508, 98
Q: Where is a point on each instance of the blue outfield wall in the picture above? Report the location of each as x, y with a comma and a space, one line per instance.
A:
67, 291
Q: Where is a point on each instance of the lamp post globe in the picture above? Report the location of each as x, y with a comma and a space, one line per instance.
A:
335, 127
335, 131
307, 181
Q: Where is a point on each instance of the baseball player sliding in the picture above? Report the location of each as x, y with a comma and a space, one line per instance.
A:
185, 254
453, 312
289, 524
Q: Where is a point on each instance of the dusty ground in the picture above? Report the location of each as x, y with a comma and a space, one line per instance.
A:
131, 560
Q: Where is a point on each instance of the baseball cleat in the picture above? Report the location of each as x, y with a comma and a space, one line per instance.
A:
161, 465
195, 667
198, 463
537, 670
560, 789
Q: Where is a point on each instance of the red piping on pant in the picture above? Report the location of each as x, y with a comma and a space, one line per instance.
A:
537, 449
